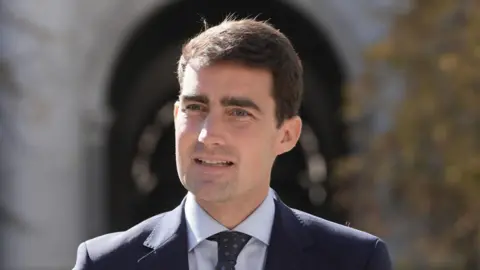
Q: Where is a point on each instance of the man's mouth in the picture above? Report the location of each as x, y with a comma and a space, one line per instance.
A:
210, 162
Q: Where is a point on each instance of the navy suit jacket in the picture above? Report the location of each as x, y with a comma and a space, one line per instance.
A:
299, 241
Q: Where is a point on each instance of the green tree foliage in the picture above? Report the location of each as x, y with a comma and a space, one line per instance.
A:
430, 158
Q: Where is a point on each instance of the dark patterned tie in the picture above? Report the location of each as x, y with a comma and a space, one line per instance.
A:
230, 244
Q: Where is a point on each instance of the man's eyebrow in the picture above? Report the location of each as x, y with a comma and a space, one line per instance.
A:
194, 98
240, 102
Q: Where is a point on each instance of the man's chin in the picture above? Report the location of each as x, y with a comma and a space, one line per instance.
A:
210, 195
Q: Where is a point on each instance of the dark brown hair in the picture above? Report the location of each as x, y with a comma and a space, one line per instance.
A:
254, 44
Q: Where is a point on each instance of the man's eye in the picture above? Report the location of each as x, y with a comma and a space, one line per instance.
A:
239, 113
194, 107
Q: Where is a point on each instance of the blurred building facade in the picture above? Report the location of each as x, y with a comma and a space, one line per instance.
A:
62, 64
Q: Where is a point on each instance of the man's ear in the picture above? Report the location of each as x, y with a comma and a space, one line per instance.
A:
289, 134
176, 107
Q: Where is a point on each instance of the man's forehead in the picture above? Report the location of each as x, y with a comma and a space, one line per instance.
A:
213, 92
225, 73
222, 82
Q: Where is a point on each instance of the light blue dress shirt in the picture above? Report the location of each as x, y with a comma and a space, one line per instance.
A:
202, 253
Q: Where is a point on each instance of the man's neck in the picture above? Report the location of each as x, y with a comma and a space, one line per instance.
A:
230, 214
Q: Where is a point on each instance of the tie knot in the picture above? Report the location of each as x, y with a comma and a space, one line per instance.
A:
230, 244
230, 237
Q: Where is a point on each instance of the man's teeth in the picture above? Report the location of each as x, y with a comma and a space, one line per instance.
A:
214, 162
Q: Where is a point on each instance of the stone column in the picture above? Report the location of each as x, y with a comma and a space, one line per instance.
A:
42, 188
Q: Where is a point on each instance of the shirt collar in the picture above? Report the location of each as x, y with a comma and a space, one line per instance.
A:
201, 225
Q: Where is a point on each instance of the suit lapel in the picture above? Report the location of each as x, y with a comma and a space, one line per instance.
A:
288, 241
169, 243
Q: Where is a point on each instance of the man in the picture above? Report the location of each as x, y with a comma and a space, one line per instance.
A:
241, 88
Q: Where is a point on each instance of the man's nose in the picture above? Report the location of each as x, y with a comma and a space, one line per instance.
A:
212, 131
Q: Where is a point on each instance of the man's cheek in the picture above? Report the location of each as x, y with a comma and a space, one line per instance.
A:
184, 128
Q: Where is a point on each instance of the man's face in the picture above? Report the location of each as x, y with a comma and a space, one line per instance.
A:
226, 133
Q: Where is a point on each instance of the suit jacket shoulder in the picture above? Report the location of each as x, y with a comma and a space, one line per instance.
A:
345, 246
116, 248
